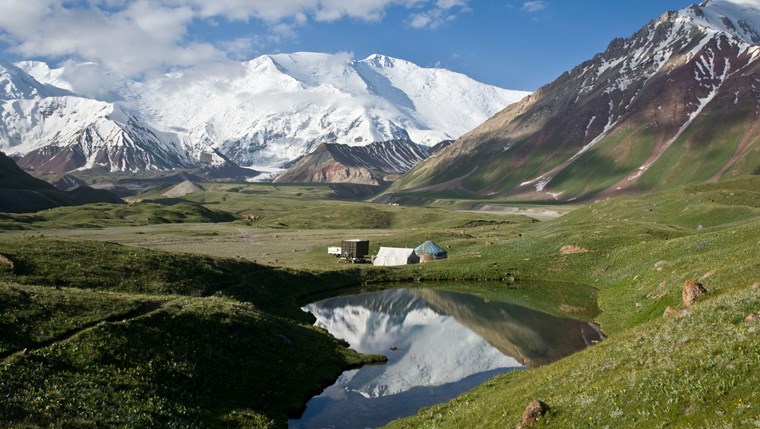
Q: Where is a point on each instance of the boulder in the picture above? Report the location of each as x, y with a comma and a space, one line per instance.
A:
6, 262
534, 411
692, 290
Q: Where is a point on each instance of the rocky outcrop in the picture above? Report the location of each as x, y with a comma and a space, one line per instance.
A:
373, 164
692, 291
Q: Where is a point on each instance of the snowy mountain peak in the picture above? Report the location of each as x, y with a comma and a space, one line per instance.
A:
740, 18
283, 106
378, 60
264, 112
16, 84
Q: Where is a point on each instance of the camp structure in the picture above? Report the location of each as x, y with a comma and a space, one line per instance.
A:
429, 251
389, 256
354, 250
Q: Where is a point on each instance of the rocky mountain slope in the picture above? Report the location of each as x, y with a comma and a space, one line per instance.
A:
374, 164
267, 112
677, 102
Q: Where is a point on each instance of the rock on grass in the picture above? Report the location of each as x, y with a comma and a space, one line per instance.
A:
692, 290
535, 410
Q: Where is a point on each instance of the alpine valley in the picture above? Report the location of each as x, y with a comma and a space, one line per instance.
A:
433, 252
677, 102
266, 112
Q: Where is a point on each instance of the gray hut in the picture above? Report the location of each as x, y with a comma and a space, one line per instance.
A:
429, 251
354, 250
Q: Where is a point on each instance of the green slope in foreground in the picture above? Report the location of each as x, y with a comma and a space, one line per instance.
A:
100, 335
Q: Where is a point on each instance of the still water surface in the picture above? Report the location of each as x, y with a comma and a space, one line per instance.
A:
439, 344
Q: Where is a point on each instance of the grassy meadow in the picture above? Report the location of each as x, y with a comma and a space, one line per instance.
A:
178, 313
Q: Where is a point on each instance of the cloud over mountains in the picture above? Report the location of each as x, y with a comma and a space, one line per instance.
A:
134, 38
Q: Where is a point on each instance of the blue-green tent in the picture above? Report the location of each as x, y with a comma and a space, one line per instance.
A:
429, 251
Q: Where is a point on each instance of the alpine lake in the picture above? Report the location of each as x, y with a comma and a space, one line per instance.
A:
439, 343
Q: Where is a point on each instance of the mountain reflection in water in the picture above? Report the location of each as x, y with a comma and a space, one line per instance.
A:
439, 344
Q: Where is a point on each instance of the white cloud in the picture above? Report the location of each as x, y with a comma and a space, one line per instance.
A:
420, 20
443, 12
450, 4
17, 16
89, 79
430, 19
242, 48
138, 37
534, 6
269, 10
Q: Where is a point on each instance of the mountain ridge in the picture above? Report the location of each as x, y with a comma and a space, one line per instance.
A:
274, 109
631, 119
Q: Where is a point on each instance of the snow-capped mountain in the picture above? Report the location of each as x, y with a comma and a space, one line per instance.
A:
54, 131
16, 84
277, 108
677, 102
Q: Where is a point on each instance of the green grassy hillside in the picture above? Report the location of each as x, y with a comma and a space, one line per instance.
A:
122, 336
697, 371
102, 215
22, 193
96, 334
691, 369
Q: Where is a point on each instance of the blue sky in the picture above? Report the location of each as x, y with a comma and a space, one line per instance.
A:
515, 44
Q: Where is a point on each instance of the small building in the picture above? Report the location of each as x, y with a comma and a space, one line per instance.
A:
391, 256
429, 251
354, 250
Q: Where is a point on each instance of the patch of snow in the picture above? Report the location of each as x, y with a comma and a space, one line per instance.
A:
541, 184
588, 126
267, 173
608, 65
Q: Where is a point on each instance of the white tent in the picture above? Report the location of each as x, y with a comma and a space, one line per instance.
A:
388, 256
